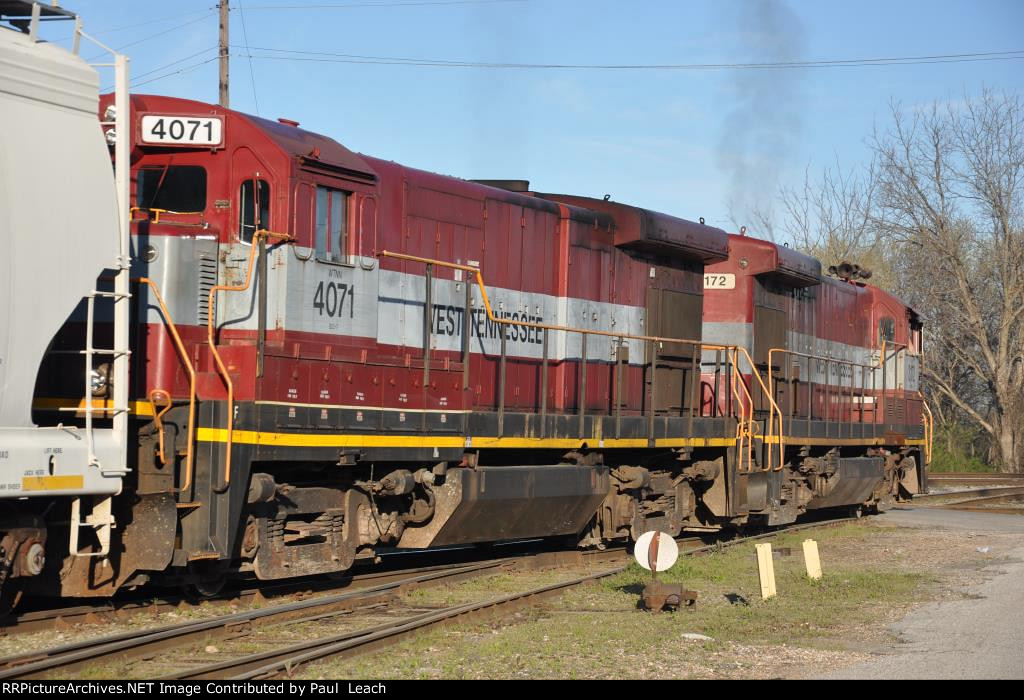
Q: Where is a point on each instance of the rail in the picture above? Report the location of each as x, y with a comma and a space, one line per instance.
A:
745, 429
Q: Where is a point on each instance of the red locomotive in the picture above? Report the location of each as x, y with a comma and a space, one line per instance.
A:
337, 354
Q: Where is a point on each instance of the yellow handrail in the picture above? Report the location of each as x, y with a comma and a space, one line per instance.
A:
210, 324
773, 409
929, 430
190, 432
160, 398
698, 345
882, 359
158, 212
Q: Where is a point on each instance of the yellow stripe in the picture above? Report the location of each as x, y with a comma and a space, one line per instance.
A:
795, 440
139, 408
52, 483
250, 437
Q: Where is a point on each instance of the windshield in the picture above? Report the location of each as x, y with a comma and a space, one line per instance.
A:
177, 188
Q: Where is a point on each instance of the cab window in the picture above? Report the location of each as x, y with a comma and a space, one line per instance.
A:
886, 330
174, 188
252, 219
331, 225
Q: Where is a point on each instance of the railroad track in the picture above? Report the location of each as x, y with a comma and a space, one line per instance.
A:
282, 662
73, 657
372, 589
975, 478
376, 600
396, 566
956, 497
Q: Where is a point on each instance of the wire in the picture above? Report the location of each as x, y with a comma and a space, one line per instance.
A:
252, 75
174, 62
398, 3
165, 31
187, 69
153, 36
327, 57
180, 15
165, 66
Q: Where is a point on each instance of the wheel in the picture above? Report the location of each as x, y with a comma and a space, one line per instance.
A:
209, 588
208, 581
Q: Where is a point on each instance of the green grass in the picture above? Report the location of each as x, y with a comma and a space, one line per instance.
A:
598, 632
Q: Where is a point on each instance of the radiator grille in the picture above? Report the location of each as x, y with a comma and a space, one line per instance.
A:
207, 280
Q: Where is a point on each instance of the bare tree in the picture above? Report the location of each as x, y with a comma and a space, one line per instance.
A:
833, 218
939, 217
950, 190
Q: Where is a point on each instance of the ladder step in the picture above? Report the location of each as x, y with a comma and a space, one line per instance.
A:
111, 295
95, 351
77, 409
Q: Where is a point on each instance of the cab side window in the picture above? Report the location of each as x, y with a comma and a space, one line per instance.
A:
331, 225
886, 330
252, 218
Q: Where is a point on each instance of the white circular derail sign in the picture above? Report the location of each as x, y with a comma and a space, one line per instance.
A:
668, 551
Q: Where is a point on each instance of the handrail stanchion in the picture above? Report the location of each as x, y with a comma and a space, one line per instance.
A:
654, 385
694, 387
501, 385
583, 383
544, 388
617, 391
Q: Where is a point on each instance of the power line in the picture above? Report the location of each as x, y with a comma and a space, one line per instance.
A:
175, 62
397, 3
252, 75
328, 57
179, 15
154, 36
186, 69
135, 78
165, 31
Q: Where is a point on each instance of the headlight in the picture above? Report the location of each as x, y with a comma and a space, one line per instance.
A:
99, 381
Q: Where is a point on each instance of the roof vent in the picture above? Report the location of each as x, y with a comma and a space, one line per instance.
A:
510, 185
288, 122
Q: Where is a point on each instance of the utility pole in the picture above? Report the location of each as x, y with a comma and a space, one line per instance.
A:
223, 53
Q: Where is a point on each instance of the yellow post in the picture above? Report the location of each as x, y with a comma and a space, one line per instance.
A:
766, 570
812, 560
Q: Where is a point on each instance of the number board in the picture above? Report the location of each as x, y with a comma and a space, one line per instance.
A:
719, 280
182, 130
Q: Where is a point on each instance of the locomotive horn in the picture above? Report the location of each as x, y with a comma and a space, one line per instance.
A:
845, 270
865, 273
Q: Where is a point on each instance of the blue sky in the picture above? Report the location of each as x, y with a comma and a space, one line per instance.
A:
691, 143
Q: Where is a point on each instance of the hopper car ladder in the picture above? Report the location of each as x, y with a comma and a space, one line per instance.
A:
100, 518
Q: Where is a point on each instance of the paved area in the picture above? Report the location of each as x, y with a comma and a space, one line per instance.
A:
980, 637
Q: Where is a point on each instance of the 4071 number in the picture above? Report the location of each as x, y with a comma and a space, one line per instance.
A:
330, 299
182, 131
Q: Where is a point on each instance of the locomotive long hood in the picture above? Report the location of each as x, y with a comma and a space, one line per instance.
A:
653, 232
